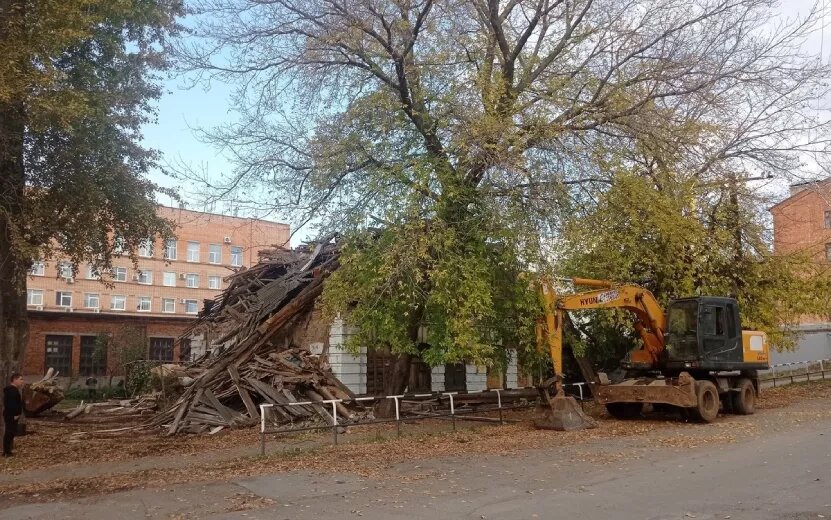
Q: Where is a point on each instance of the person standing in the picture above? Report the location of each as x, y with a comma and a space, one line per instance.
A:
12, 410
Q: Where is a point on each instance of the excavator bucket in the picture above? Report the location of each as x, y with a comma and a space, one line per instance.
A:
562, 413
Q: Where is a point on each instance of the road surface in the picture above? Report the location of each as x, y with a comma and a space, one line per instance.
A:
784, 473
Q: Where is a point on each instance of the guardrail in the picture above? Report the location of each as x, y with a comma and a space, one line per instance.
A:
454, 414
799, 370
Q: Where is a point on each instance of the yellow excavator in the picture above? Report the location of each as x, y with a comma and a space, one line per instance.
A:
694, 357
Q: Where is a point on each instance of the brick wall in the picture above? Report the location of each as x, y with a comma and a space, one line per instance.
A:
42, 324
205, 229
799, 221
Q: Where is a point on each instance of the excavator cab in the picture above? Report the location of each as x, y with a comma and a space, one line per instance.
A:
704, 334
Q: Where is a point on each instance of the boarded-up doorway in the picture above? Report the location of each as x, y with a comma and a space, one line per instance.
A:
455, 378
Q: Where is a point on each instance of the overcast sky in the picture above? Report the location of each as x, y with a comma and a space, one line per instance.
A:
181, 110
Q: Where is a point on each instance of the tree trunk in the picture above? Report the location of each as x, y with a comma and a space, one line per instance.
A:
13, 268
395, 384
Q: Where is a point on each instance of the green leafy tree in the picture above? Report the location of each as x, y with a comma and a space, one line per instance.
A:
76, 82
456, 128
680, 238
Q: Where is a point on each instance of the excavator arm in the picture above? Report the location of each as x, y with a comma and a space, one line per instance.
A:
650, 321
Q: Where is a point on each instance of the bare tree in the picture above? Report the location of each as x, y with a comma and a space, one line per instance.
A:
386, 111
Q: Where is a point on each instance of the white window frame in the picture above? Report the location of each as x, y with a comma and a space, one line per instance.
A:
165, 279
117, 270
65, 270
30, 293
59, 299
88, 297
170, 246
118, 245
236, 257
146, 248
195, 302
189, 277
171, 301
214, 256
217, 279
148, 275
144, 299
37, 269
193, 256
122, 299
91, 273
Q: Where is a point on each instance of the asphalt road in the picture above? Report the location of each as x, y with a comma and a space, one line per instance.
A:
783, 474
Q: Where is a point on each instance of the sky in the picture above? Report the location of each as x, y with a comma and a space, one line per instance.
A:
181, 110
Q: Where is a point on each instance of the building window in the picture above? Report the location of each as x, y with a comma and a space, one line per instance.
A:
169, 279
193, 251
161, 349
215, 254
37, 269
143, 304
118, 302
827, 219
65, 270
120, 274
191, 306
144, 277
214, 282
828, 252
192, 280
63, 299
91, 300
170, 249
236, 256
92, 273
118, 245
59, 354
168, 305
93, 360
34, 297
145, 248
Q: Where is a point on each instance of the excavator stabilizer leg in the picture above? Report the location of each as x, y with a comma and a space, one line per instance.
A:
563, 413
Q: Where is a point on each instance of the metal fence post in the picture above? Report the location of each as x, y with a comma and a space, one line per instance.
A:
452, 408
262, 430
822, 369
335, 421
773, 370
499, 404
808, 371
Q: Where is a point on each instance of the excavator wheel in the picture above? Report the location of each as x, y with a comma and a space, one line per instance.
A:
708, 402
744, 401
624, 410
563, 413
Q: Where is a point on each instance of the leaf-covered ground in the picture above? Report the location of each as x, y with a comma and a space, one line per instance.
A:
53, 464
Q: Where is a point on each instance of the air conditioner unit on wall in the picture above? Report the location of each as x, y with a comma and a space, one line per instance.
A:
227, 240
39, 308
136, 277
69, 280
182, 276
97, 309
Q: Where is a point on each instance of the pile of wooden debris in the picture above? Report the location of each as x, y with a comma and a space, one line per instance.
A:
254, 360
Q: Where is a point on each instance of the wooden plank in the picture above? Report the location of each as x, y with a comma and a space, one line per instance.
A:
223, 410
243, 393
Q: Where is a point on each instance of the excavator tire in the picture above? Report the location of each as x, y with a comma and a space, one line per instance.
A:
744, 401
624, 410
708, 401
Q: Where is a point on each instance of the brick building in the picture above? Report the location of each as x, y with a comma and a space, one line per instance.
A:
155, 301
802, 223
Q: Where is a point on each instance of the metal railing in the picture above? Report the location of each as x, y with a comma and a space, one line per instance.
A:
454, 413
797, 370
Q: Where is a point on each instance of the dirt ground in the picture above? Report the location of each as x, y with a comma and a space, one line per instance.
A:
54, 464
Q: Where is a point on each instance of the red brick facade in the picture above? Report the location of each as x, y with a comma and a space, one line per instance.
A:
802, 222
43, 324
159, 298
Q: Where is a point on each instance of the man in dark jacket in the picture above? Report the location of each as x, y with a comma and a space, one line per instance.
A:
12, 410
